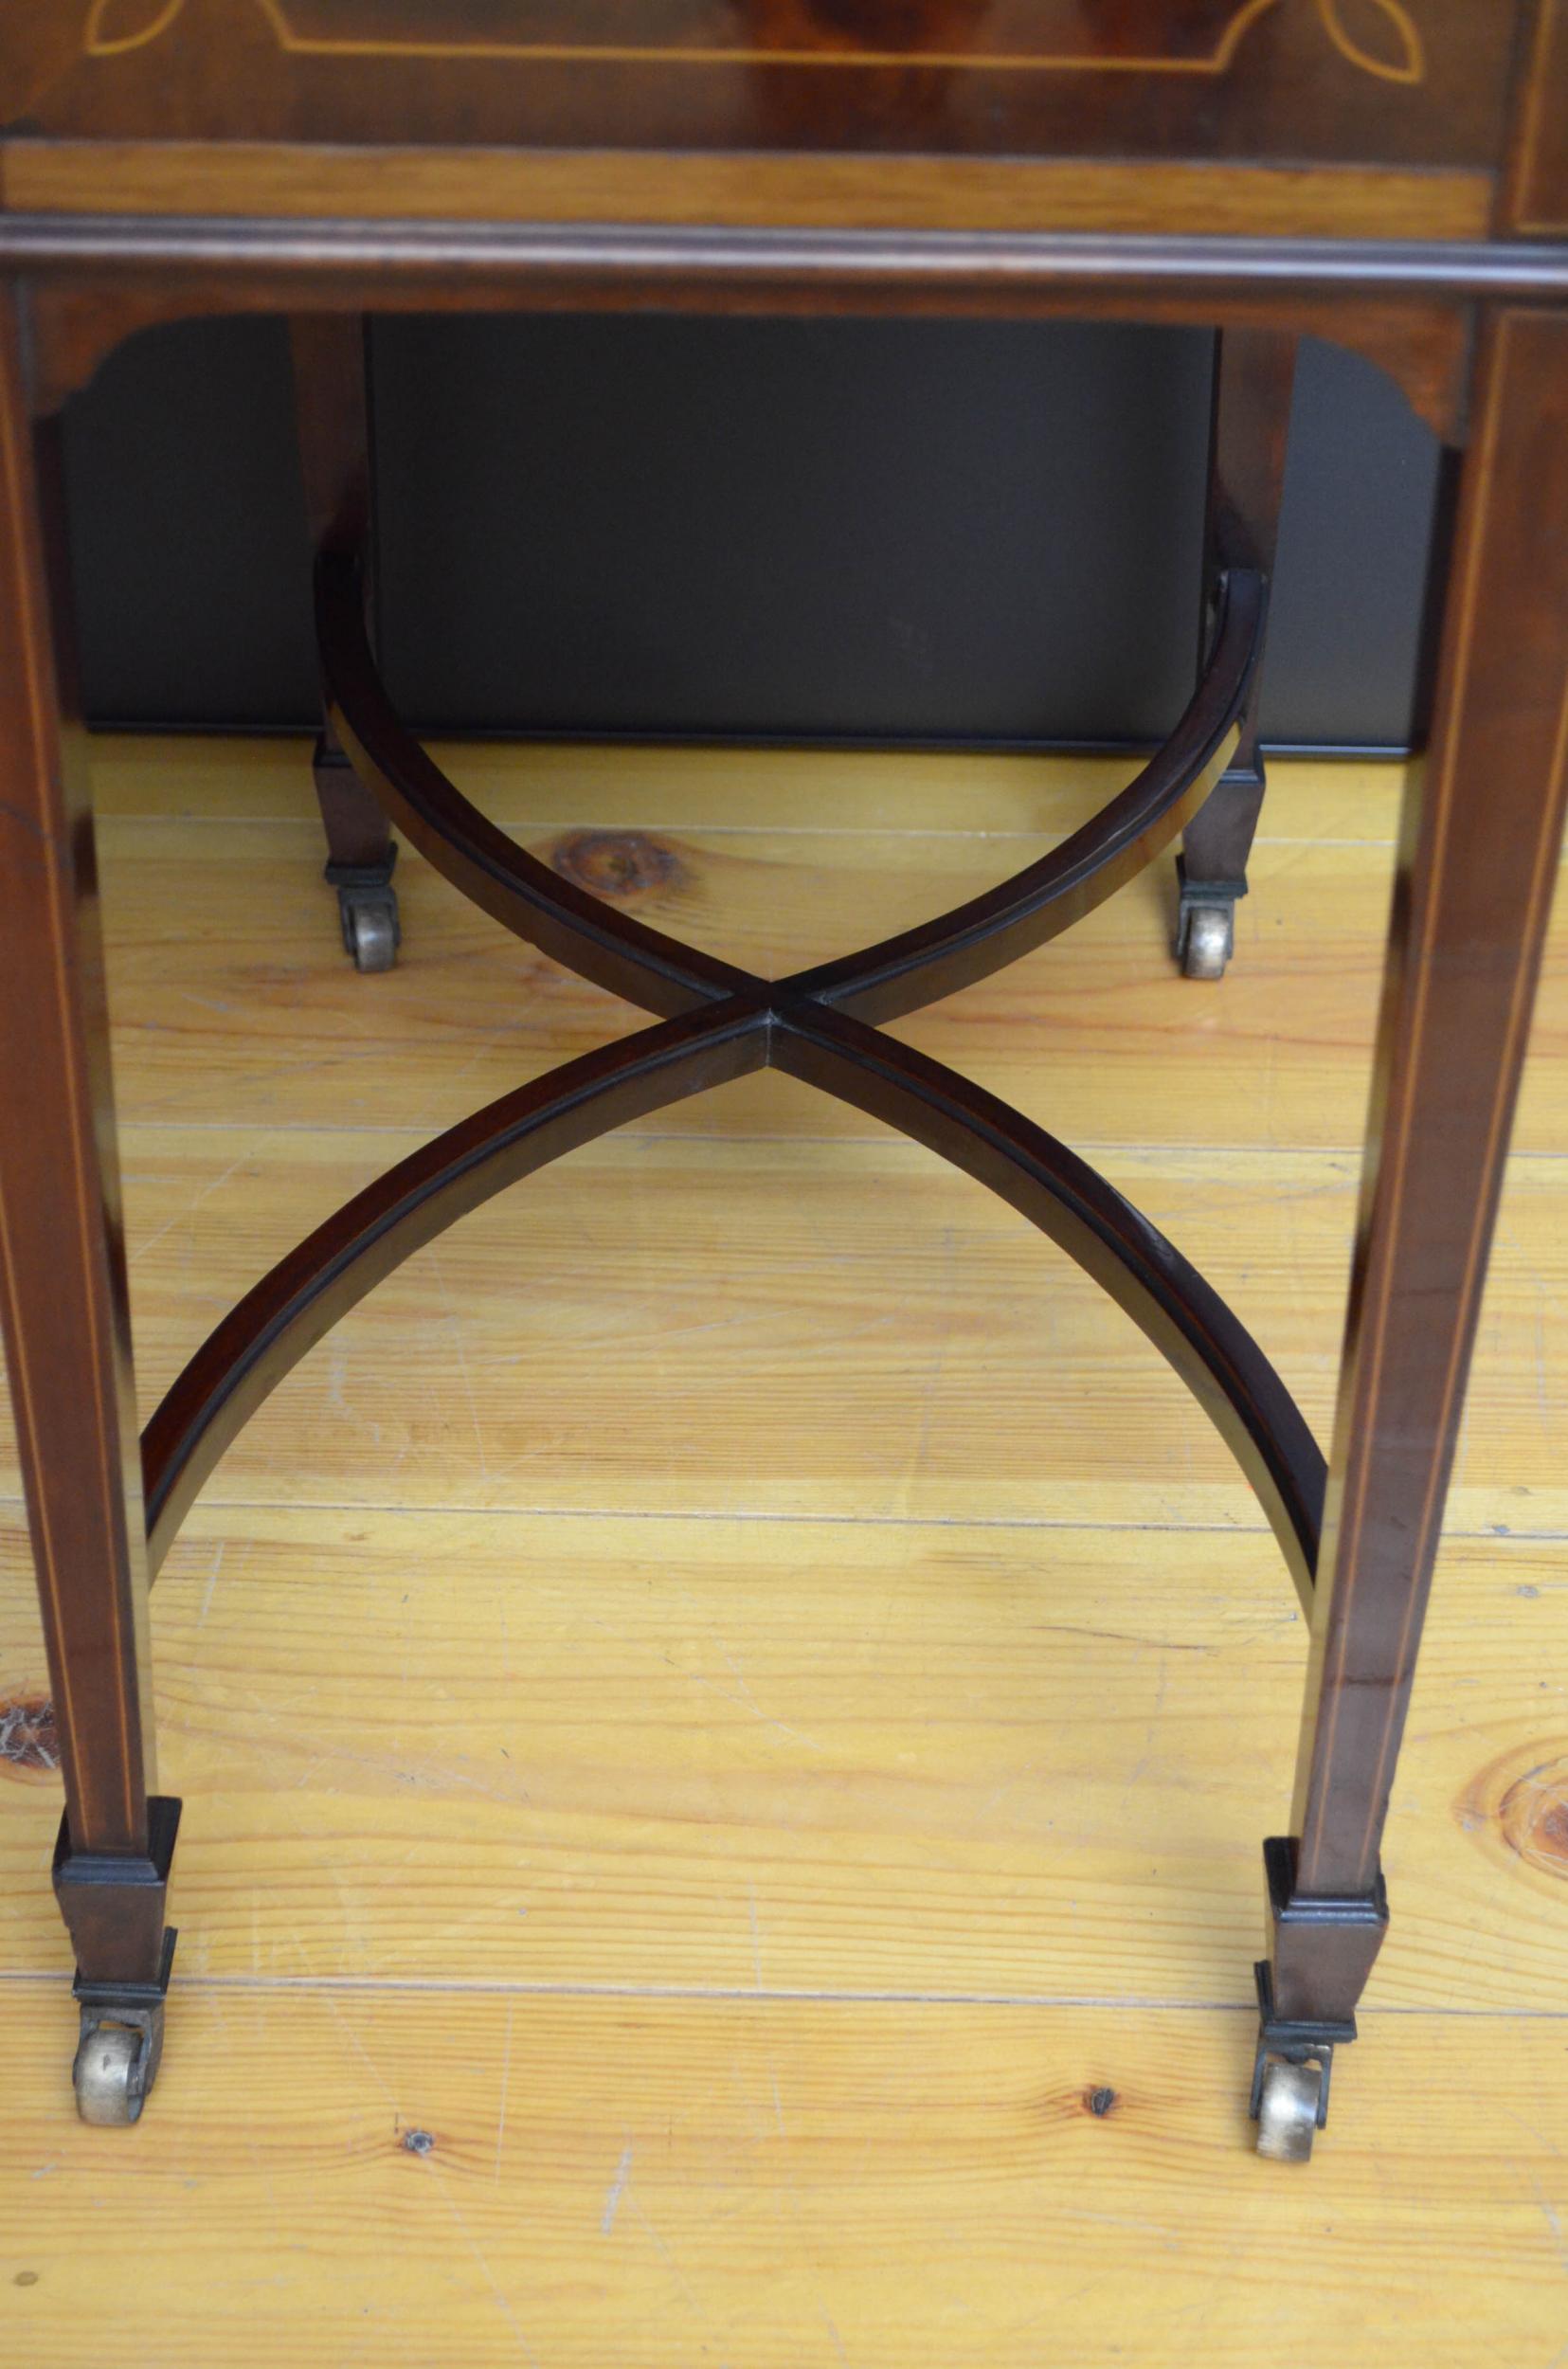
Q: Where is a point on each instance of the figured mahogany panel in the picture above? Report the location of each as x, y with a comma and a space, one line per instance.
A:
1397, 83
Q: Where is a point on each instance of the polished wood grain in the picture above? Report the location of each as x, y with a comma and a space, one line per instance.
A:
728, 848
1249, 435
1469, 330
795, 1214
100, 281
297, 1302
479, 2181
1066, 1200
1100, 1433
548, 909
62, 1258
1007, 1777
242, 991
1023, 1758
730, 1024
1536, 200
971, 941
63, 1308
328, 351
1479, 857
153, 177
1405, 82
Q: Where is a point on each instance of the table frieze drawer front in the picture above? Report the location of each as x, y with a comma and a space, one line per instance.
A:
1369, 82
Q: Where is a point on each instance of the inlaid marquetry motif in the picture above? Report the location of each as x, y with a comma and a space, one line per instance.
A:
1377, 37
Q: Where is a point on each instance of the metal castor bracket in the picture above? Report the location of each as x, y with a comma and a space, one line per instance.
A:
1291, 2076
1205, 924
367, 908
113, 1904
120, 2044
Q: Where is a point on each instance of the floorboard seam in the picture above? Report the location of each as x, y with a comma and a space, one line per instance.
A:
747, 1996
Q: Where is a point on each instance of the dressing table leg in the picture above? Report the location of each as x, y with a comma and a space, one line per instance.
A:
63, 1299
332, 415
1248, 429
1477, 863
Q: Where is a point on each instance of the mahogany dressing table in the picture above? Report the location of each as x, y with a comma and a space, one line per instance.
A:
1389, 174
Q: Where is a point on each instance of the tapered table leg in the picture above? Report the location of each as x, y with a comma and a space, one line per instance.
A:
332, 417
1478, 853
1248, 429
63, 1292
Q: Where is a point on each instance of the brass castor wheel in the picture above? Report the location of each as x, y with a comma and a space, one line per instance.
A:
370, 931
120, 2028
115, 2066
366, 907
1292, 2066
1208, 941
1205, 923
1289, 2103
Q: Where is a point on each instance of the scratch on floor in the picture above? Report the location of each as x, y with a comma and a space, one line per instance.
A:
211, 1583
616, 2190
181, 1215
667, 2257
750, 1702
506, 2076
482, 2261
1553, 2219
756, 1931
930, 1390
453, 1320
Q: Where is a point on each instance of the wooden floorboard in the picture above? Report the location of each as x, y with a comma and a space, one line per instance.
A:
363, 2175
731, 1755
736, 1693
907, 1345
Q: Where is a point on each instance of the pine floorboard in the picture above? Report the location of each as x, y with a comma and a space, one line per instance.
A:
734, 1696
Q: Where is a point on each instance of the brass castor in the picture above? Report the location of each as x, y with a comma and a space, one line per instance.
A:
370, 931
1290, 2102
1208, 941
115, 2066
